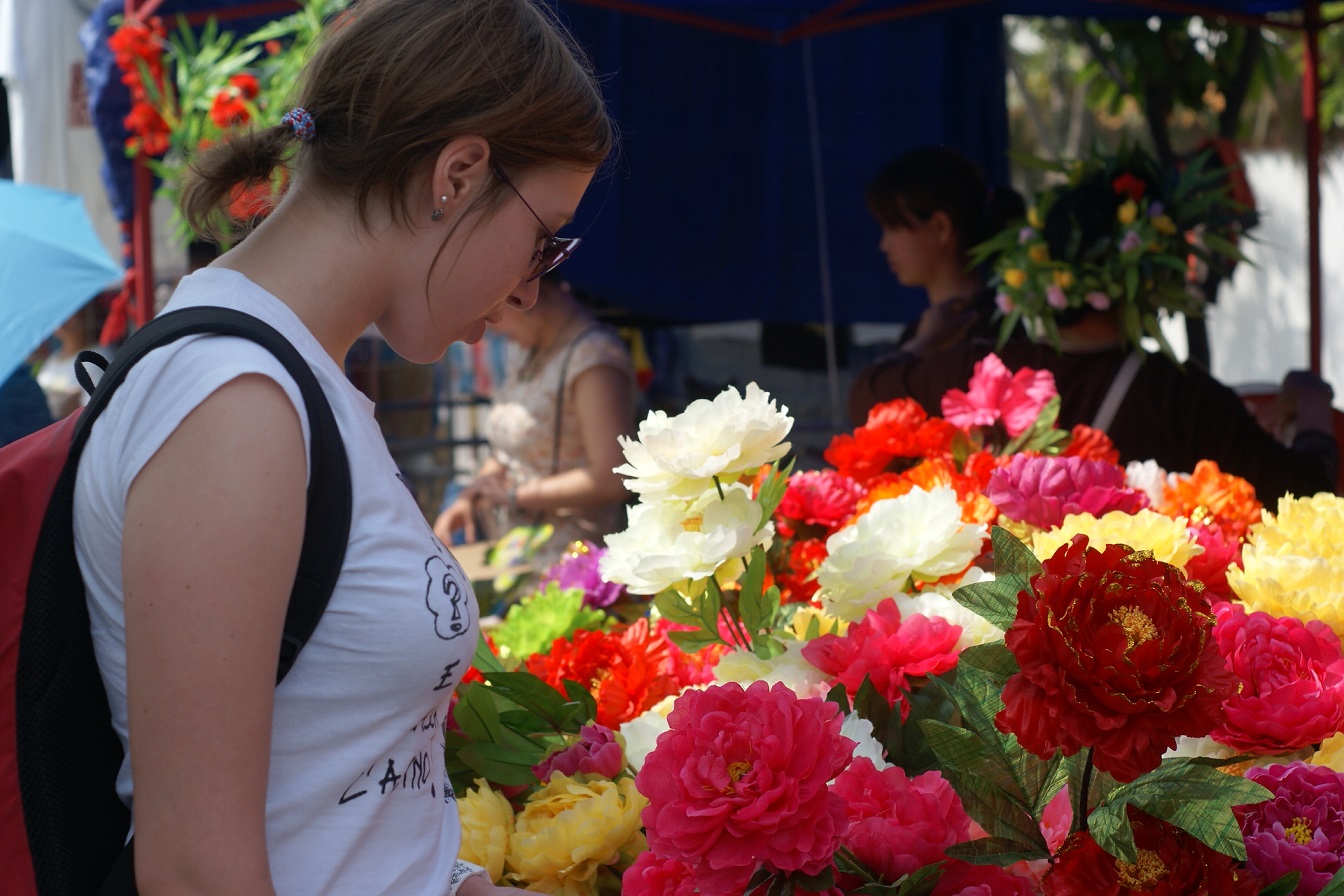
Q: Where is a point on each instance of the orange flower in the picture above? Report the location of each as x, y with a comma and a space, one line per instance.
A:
228, 110
1091, 444
897, 434
1210, 495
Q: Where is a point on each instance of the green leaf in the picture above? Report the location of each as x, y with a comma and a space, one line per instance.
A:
1335, 887
498, 765
476, 714
1014, 565
1284, 886
675, 608
772, 491
531, 693
997, 851
1190, 795
840, 697
693, 641
484, 660
753, 604
582, 699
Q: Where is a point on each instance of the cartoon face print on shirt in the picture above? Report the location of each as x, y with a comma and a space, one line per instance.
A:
448, 598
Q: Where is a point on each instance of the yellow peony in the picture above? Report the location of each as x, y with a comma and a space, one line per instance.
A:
1127, 212
826, 624
1331, 753
1063, 279
487, 820
570, 830
1039, 253
1292, 564
1015, 277
1146, 530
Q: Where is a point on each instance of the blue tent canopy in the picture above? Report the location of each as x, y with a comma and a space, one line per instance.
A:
749, 130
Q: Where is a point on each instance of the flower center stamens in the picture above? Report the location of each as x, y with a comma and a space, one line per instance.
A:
1142, 874
1301, 830
1138, 627
693, 523
737, 769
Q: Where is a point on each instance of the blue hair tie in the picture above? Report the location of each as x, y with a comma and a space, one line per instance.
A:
301, 121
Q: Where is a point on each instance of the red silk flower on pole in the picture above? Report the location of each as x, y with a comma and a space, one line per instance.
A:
1116, 653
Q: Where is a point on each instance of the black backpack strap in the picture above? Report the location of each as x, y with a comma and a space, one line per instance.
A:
76, 824
327, 527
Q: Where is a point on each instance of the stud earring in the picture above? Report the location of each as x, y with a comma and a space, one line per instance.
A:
437, 214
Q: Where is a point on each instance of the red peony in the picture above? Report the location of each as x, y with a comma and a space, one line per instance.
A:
1170, 862
1290, 677
898, 824
896, 431
888, 650
228, 110
1221, 552
1091, 444
1116, 652
627, 672
818, 499
246, 85
652, 876
796, 582
740, 781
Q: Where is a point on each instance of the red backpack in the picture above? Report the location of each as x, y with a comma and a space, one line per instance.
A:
63, 829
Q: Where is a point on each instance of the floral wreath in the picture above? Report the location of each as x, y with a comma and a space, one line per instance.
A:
1120, 231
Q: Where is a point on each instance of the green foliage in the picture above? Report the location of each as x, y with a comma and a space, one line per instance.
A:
1014, 565
533, 624
1335, 887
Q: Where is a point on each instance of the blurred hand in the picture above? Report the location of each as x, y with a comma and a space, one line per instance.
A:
456, 517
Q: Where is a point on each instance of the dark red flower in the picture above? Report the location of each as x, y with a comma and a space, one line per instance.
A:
1170, 862
1116, 652
1129, 186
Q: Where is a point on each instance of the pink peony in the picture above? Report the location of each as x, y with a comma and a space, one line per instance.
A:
899, 824
739, 780
889, 650
1300, 828
1222, 550
824, 498
964, 879
595, 753
1041, 491
996, 394
1291, 681
652, 876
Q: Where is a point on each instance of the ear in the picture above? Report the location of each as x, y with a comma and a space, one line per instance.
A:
461, 172
941, 224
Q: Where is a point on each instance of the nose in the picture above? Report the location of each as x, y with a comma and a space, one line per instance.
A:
525, 296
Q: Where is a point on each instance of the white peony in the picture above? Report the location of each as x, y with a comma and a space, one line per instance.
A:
678, 457
640, 734
790, 668
938, 601
917, 535
669, 542
1146, 476
860, 730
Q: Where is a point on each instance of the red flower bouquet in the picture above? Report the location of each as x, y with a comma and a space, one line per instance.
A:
897, 431
1116, 652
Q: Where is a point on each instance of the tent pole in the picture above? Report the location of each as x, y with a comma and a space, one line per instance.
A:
1311, 120
823, 246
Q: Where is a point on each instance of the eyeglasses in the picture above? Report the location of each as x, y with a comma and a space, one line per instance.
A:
555, 250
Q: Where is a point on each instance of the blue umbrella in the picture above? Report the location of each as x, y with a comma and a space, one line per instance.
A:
51, 264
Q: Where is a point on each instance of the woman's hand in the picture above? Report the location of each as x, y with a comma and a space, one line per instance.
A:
489, 489
480, 885
456, 517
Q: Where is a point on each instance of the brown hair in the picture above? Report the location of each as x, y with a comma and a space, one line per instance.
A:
392, 81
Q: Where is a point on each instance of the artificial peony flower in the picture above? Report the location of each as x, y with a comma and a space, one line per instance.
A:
724, 439
654, 876
569, 829
641, 733
1145, 530
995, 394
887, 650
627, 671
1042, 491
1170, 862
1331, 753
919, 535
897, 432
740, 781
596, 752
964, 879
826, 624
930, 474
487, 822
1116, 652
936, 602
1091, 444
866, 745
797, 580
899, 824
670, 542
1292, 560
1300, 828
1290, 673
1146, 476
1220, 553
1210, 495
579, 567
821, 500
790, 668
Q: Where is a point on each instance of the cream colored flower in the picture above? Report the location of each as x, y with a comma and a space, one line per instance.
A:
569, 829
1147, 530
826, 625
670, 542
1146, 476
1292, 562
679, 457
789, 668
860, 730
640, 735
918, 535
487, 821
938, 601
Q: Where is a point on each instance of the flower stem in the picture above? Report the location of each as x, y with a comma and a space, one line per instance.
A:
736, 630
1080, 814
719, 485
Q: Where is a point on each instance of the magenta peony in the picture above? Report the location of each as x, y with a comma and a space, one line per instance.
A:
578, 568
652, 876
1291, 681
1041, 491
1222, 550
740, 781
817, 498
595, 753
995, 394
1300, 828
899, 824
889, 650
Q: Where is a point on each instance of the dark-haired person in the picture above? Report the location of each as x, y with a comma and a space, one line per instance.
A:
436, 149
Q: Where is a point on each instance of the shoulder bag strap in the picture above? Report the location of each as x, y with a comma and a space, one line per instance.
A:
1119, 388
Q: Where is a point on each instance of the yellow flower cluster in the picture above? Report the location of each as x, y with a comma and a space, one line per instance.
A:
572, 829
487, 822
1292, 562
1146, 530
